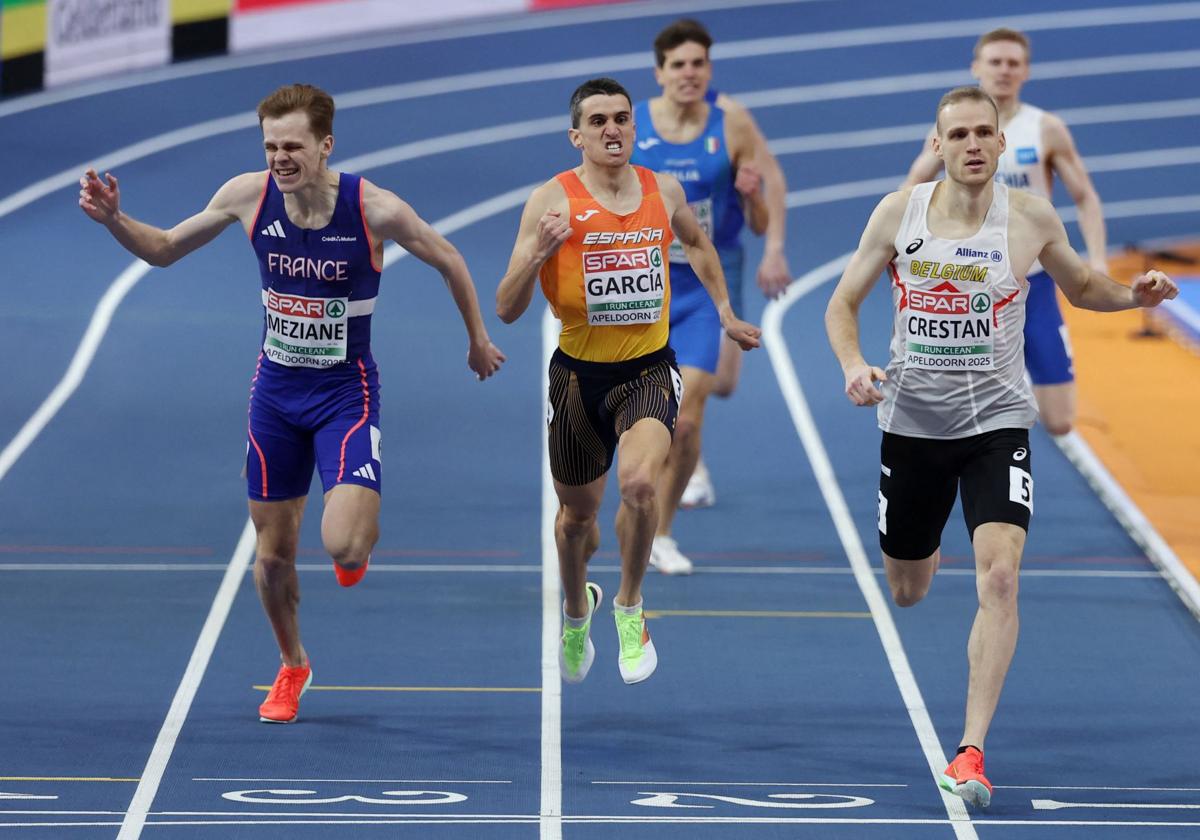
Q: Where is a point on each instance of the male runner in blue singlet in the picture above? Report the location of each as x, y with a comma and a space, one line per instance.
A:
318, 235
716, 153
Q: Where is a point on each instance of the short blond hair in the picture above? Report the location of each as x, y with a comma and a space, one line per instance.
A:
966, 93
1003, 34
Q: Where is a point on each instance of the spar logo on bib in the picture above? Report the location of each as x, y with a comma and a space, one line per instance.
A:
305, 331
948, 330
625, 286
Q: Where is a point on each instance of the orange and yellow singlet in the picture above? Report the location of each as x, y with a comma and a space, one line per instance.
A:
609, 283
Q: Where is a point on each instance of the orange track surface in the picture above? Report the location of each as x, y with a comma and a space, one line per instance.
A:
1139, 410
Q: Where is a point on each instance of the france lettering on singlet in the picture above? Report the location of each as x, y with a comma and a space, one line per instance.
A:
318, 286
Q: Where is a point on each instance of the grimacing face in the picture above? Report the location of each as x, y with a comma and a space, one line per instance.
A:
606, 131
295, 155
1001, 68
969, 141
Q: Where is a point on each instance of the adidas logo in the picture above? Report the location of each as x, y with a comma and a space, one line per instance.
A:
274, 229
365, 471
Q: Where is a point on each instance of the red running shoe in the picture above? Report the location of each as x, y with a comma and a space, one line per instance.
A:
964, 777
283, 701
348, 577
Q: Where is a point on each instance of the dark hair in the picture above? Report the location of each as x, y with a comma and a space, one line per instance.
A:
966, 93
682, 31
313, 101
603, 86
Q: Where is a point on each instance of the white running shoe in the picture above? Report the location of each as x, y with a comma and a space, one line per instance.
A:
666, 557
699, 492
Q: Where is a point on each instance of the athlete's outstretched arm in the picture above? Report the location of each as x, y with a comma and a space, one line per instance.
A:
774, 275
545, 226
926, 166
1068, 165
1084, 286
101, 201
391, 218
876, 249
704, 260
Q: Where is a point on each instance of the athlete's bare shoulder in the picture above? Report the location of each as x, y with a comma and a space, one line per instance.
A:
1029, 207
240, 196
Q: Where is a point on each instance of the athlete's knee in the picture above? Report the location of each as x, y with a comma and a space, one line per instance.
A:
687, 431
575, 524
638, 489
350, 548
998, 585
906, 592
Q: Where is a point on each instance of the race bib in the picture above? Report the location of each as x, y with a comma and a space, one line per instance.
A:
624, 287
704, 215
949, 331
305, 331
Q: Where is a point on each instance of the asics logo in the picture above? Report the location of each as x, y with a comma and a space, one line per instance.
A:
648, 143
583, 217
913, 246
1020, 454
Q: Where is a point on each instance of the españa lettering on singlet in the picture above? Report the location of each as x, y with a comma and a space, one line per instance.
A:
318, 286
703, 167
609, 283
957, 363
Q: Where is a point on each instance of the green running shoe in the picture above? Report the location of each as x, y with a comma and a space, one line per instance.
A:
576, 652
638, 659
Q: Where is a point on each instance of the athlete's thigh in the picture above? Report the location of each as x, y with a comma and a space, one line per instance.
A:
695, 330
917, 485
997, 480
1047, 345
279, 453
348, 442
655, 394
697, 385
581, 444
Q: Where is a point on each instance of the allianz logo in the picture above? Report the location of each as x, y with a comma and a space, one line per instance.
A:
971, 253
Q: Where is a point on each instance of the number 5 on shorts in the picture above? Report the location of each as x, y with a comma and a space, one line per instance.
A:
1020, 487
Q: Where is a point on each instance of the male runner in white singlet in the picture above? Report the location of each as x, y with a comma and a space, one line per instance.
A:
1039, 146
954, 404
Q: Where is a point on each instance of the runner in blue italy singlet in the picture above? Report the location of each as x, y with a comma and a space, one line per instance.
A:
315, 395
704, 169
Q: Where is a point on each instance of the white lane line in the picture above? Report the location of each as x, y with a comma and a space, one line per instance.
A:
101, 318
581, 68
755, 784
1055, 805
813, 42
942, 79
364, 43
916, 132
206, 642
551, 808
509, 568
363, 781
810, 437
1098, 787
1131, 517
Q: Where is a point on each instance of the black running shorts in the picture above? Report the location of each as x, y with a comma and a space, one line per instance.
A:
919, 478
593, 403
